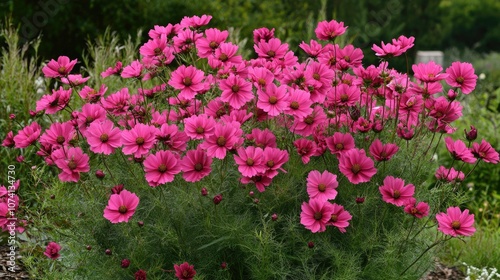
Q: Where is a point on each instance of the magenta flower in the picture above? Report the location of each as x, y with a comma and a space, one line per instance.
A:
89, 114
170, 135
8, 141
262, 33
52, 250
188, 80
103, 137
199, 126
455, 222
395, 192
55, 102
307, 125
195, 165
59, 68
461, 75
250, 161
160, 168
322, 185
195, 21
139, 140
28, 135
459, 150
387, 50
71, 163
316, 214
121, 207
236, 91
329, 30
485, 152
261, 77
356, 166
134, 70
185, 271
313, 49
58, 134
207, 45
299, 103
272, 49
339, 143
273, 100
305, 148
344, 95
404, 43
224, 138
339, 218
419, 210
262, 138
381, 152
225, 55
117, 103
91, 95
450, 175
274, 158
74, 80
429, 72
116, 70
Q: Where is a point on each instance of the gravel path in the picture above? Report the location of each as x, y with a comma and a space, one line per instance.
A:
5, 273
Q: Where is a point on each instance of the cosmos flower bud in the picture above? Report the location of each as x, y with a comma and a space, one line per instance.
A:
217, 199
472, 134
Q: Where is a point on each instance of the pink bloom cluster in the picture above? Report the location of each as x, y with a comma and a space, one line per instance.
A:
233, 109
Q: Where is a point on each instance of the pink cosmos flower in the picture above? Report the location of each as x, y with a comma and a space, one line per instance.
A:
306, 126
339, 143
272, 49
273, 99
121, 207
322, 185
381, 152
8, 141
316, 214
274, 159
103, 137
313, 49
387, 50
459, 150
261, 77
118, 102
91, 95
344, 95
213, 38
305, 148
58, 134
461, 75
74, 80
134, 70
419, 210
195, 21
71, 163
299, 103
188, 80
185, 271
161, 168
195, 165
170, 136
157, 48
224, 138
450, 175
356, 166
139, 140
329, 30
444, 111
236, 91
261, 182
262, 33
89, 114
52, 250
404, 43
116, 70
28, 135
55, 102
262, 138
455, 222
339, 218
225, 55
250, 161
59, 68
429, 72
485, 152
199, 127
395, 192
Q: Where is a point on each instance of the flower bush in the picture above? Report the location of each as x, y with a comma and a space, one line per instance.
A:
203, 158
